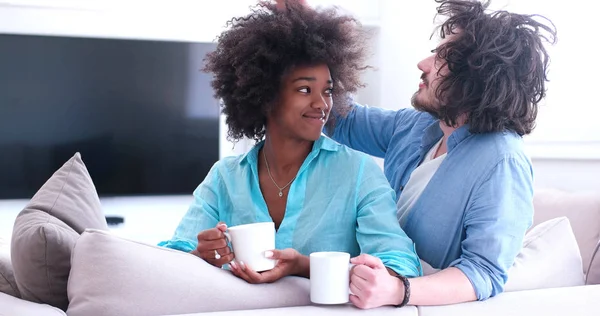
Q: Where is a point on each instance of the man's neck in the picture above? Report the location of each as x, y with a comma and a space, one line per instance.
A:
447, 130
285, 155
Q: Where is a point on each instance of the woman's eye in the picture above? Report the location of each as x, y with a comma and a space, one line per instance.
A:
329, 91
304, 90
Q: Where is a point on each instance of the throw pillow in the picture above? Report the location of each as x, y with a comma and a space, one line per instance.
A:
42, 248
581, 208
46, 230
111, 275
8, 285
549, 258
593, 275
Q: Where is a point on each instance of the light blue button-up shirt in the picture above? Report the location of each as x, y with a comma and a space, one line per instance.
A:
339, 201
474, 212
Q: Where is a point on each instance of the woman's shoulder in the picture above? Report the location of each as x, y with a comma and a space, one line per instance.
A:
230, 164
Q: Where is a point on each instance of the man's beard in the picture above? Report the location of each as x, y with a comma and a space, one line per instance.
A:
424, 106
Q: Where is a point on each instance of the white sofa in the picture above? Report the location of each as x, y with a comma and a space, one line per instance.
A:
62, 254
583, 211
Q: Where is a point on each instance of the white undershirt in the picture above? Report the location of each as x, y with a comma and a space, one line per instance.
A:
418, 181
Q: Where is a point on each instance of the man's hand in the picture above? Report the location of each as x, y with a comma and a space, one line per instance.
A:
281, 3
289, 262
372, 285
212, 242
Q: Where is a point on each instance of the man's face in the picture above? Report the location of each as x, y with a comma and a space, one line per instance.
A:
433, 71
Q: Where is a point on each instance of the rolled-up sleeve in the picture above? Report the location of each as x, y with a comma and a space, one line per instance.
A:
500, 213
378, 232
203, 214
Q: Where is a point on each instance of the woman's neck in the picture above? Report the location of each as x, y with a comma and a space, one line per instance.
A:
284, 155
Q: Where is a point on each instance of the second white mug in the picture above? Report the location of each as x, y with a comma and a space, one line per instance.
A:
329, 277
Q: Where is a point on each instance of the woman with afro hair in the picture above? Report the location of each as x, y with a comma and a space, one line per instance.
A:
279, 72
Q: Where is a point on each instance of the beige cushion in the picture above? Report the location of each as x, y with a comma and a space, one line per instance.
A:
593, 276
580, 301
46, 230
115, 276
583, 211
42, 248
8, 285
10, 306
549, 258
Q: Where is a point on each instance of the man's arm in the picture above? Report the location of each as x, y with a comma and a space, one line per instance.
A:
448, 286
497, 218
367, 129
500, 213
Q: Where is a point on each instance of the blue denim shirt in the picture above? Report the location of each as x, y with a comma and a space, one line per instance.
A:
339, 201
475, 211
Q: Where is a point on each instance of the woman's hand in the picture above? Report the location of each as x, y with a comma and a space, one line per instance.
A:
289, 262
212, 242
372, 285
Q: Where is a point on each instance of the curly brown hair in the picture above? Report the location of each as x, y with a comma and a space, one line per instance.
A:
497, 66
257, 50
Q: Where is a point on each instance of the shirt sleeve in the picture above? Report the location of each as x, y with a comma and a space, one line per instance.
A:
496, 220
203, 214
378, 232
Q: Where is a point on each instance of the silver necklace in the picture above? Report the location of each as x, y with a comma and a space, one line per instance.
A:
270, 176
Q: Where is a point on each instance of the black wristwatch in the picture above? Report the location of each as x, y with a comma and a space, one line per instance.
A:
406, 290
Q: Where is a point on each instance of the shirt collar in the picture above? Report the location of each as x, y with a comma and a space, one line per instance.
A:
433, 133
323, 143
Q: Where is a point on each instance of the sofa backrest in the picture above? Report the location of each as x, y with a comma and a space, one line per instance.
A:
583, 211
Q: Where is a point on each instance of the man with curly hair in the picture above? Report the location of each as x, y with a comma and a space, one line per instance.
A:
456, 161
279, 73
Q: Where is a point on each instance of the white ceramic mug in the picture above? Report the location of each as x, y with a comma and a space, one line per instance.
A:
249, 243
330, 277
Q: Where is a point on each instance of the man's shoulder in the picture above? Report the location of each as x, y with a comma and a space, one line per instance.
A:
499, 146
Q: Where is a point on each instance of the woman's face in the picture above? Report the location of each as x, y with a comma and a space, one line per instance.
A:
304, 103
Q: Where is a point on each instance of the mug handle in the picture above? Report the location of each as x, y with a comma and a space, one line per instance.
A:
350, 266
228, 238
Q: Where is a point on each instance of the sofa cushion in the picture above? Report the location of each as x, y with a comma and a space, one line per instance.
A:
316, 310
8, 285
579, 300
583, 211
10, 305
41, 252
593, 275
549, 258
70, 196
46, 230
111, 275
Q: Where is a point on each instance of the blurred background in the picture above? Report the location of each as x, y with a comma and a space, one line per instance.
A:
75, 74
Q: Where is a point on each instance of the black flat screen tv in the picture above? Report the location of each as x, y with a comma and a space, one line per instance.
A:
141, 113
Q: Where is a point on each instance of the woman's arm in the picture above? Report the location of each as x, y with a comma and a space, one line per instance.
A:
378, 232
202, 214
